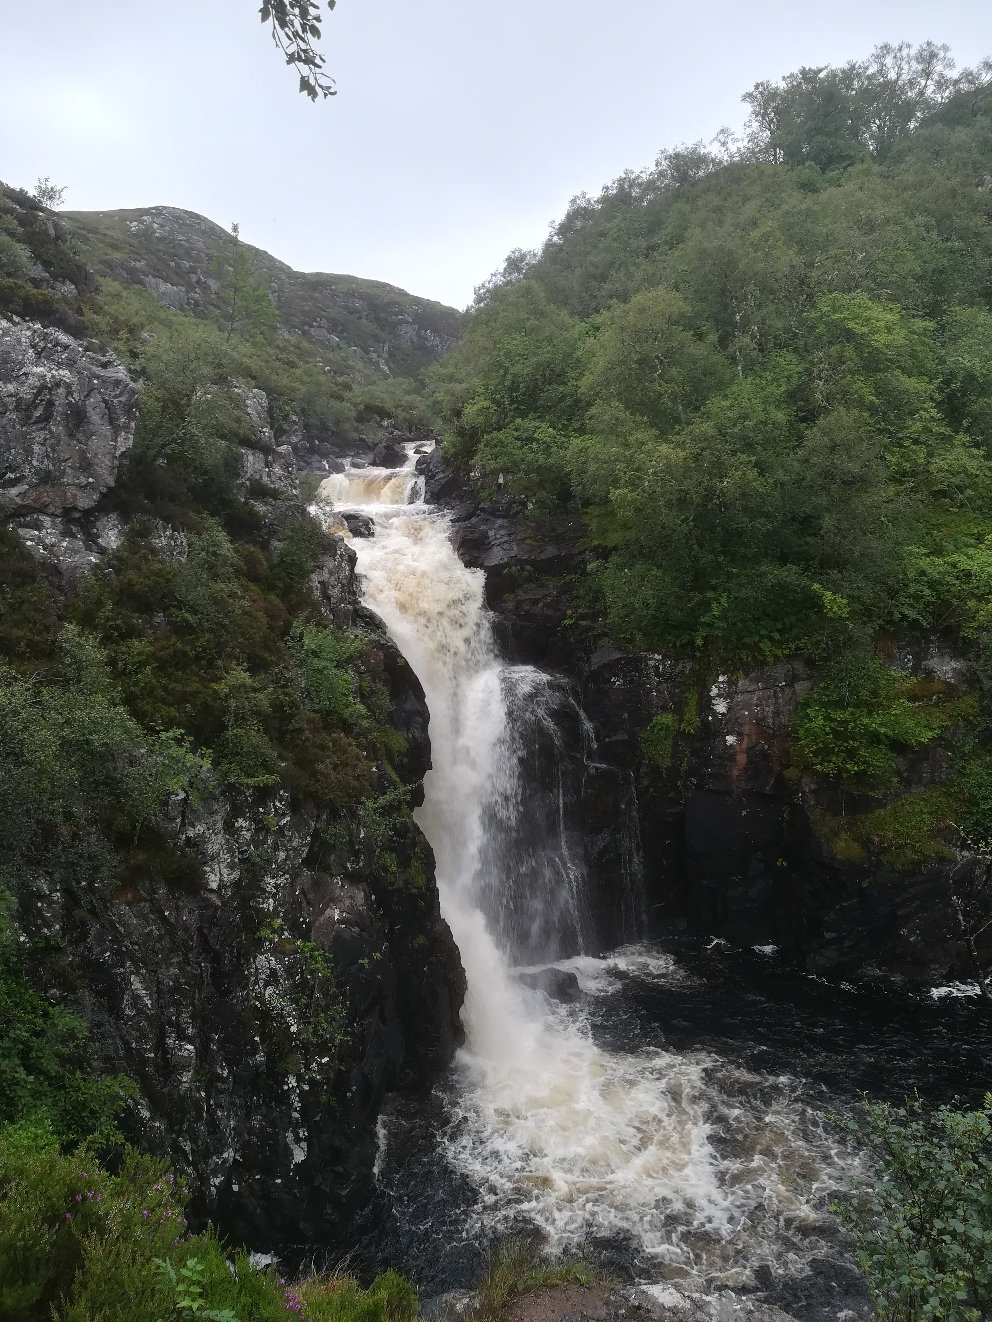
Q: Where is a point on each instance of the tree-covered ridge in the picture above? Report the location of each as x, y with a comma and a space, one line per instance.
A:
765, 385
761, 377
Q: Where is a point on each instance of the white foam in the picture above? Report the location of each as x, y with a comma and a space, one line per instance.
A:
956, 989
711, 1169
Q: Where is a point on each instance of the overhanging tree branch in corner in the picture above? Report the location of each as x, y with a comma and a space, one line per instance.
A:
295, 28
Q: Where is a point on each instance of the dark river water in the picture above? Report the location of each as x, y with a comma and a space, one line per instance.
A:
772, 1053
672, 1120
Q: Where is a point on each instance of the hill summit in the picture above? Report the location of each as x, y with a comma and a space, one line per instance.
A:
175, 254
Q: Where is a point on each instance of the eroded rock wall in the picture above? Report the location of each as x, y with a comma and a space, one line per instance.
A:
268, 994
732, 841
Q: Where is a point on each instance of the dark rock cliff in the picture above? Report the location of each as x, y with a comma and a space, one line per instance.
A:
266, 1000
729, 838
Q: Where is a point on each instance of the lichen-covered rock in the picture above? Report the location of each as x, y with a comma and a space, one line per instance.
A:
72, 545
264, 1005
333, 583
66, 418
267, 469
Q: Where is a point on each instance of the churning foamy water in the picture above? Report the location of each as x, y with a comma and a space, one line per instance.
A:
707, 1168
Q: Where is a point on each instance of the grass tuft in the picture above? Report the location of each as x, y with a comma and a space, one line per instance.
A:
516, 1268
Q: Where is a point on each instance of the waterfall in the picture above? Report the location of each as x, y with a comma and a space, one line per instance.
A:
547, 1125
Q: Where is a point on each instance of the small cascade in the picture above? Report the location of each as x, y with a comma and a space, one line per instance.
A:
360, 488
532, 866
616, 851
546, 1125
503, 802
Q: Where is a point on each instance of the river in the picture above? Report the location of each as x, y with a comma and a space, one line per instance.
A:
674, 1118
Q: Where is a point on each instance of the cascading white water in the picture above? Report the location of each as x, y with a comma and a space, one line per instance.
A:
549, 1127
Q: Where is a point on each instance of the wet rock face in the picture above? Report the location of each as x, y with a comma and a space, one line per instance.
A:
735, 843
727, 839
297, 966
66, 418
260, 1079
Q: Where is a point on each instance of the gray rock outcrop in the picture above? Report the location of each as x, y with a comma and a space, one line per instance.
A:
66, 418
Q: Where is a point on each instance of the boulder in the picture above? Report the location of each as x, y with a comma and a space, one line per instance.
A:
556, 984
388, 455
332, 583
359, 525
66, 418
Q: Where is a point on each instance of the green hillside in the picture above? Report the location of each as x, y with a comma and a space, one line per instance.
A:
176, 254
761, 377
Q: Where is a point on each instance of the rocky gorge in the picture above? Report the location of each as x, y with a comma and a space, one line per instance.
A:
256, 1077
733, 841
418, 890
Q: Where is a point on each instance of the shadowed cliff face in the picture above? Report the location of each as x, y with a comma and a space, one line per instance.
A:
732, 840
266, 999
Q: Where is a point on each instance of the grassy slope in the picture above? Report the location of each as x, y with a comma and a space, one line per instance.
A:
181, 248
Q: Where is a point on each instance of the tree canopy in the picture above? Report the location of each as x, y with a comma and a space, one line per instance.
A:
295, 28
760, 374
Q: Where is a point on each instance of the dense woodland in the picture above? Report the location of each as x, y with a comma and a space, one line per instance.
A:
759, 375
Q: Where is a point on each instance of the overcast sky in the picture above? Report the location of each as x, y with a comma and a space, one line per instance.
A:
460, 131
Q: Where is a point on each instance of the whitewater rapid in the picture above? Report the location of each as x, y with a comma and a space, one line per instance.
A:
708, 1170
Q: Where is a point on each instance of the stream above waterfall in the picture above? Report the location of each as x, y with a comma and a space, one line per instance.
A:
673, 1117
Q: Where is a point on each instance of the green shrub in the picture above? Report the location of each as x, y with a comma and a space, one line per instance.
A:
187, 1290
76, 769
323, 655
46, 1075
862, 712
295, 559
658, 739
16, 260
222, 646
78, 1244
390, 1298
923, 1230
911, 830
75, 1238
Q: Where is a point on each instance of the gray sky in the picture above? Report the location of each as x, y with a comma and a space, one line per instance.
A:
460, 130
